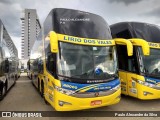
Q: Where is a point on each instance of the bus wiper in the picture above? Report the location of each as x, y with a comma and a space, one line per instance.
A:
114, 75
153, 75
155, 71
80, 74
85, 73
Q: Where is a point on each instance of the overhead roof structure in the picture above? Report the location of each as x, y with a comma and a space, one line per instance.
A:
9, 43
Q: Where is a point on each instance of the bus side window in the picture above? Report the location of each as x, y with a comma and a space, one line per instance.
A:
132, 62
122, 57
131, 65
6, 66
51, 63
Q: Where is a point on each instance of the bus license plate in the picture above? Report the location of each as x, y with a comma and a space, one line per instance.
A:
96, 102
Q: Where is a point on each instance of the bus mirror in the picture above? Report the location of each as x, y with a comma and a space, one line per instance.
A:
120, 41
53, 42
144, 44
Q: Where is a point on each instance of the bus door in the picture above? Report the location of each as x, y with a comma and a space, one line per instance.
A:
128, 69
132, 73
50, 75
128, 85
124, 49
51, 50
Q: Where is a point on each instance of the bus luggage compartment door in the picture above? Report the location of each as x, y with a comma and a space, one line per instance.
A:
123, 79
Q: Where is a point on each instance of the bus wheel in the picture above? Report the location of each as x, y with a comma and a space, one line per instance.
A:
42, 93
3, 91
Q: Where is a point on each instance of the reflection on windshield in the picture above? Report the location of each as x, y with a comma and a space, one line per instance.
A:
152, 62
87, 62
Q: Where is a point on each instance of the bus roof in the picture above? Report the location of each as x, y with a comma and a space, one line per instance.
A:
148, 32
77, 23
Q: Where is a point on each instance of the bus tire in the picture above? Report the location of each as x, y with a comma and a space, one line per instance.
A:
3, 91
42, 93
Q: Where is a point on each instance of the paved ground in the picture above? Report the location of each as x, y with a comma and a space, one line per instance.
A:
24, 97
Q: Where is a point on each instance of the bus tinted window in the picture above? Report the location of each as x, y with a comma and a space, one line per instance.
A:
122, 54
127, 63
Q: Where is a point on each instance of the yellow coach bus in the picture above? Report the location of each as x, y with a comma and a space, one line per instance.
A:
140, 73
74, 63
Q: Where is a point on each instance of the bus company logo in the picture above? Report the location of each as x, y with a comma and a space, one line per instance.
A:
6, 114
64, 20
70, 86
104, 42
21, 114
74, 19
152, 81
86, 40
154, 44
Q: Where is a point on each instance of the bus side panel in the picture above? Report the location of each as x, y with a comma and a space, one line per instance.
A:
48, 88
123, 79
49, 83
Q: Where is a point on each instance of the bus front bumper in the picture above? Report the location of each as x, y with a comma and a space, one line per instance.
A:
147, 93
64, 102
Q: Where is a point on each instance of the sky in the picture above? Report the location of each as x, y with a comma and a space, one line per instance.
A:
112, 11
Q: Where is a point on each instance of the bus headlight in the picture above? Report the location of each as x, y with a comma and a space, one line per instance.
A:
61, 103
148, 84
64, 91
117, 87
145, 93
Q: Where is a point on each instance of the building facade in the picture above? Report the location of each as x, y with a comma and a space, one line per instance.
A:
30, 29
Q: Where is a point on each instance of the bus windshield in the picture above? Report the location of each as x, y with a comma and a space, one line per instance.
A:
151, 63
86, 62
